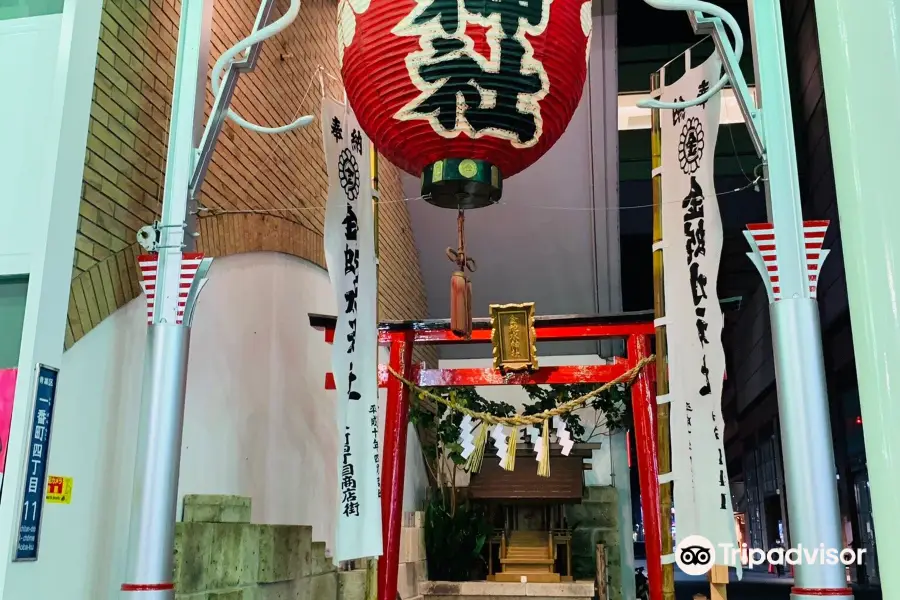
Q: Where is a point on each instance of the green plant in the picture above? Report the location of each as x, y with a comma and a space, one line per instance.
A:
454, 541
439, 434
612, 407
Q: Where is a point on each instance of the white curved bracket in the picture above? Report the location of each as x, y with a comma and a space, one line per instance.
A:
224, 86
196, 288
714, 26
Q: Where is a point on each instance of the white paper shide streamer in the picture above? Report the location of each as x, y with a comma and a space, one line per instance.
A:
500, 435
535, 435
467, 436
692, 241
563, 437
350, 256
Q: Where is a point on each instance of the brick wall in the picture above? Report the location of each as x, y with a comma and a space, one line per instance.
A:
281, 176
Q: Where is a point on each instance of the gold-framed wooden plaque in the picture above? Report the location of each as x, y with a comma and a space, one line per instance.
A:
513, 337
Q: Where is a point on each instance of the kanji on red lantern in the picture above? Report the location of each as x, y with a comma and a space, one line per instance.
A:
464, 92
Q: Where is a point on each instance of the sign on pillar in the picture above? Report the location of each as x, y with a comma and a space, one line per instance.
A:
761, 237
29, 533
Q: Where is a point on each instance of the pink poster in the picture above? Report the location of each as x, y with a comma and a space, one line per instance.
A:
7, 393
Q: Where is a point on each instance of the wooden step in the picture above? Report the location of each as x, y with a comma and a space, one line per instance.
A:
528, 535
527, 553
528, 544
526, 561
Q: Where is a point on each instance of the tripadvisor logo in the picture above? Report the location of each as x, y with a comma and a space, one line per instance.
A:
696, 555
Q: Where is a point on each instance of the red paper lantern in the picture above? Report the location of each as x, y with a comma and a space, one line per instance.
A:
464, 92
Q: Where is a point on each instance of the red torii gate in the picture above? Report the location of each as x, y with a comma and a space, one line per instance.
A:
401, 336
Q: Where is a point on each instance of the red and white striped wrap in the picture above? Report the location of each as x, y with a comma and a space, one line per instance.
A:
149, 265
764, 236
813, 235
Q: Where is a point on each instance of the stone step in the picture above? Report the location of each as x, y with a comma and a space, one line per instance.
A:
529, 577
491, 590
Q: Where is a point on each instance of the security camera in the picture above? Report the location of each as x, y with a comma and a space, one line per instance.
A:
148, 237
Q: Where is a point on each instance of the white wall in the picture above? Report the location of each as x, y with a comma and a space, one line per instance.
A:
258, 422
23, 121
601, 460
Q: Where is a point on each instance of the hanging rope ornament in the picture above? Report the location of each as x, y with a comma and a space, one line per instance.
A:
505, 430
473, 464
544, 460
510, 461
460, 284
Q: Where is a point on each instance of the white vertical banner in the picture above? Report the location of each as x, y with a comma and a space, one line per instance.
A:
350, 256
692, 240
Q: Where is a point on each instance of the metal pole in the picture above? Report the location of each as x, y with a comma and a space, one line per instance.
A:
861, 68
800, 374
149, 567
664, 439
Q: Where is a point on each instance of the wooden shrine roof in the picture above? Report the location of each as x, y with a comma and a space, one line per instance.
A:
523, 483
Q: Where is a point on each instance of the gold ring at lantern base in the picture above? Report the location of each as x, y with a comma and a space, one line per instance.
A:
462, 183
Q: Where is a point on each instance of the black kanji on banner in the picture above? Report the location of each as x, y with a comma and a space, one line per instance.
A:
695, 247
677, 113
691, 146
349, 501
702, 89
373, 411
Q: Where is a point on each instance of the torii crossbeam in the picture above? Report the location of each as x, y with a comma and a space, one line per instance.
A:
402, 336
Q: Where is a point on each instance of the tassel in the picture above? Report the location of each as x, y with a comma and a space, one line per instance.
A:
468, 307
544, 460
459, 304
511, 449
473, 464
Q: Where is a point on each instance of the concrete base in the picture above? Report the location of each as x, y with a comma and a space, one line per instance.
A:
490, 590
220, 555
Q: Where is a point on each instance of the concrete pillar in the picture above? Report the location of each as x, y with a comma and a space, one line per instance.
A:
859, 44
48, 71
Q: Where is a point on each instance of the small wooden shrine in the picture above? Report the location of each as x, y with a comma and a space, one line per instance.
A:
531, 536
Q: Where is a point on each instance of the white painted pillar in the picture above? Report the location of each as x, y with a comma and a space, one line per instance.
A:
49, 68
860, 47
